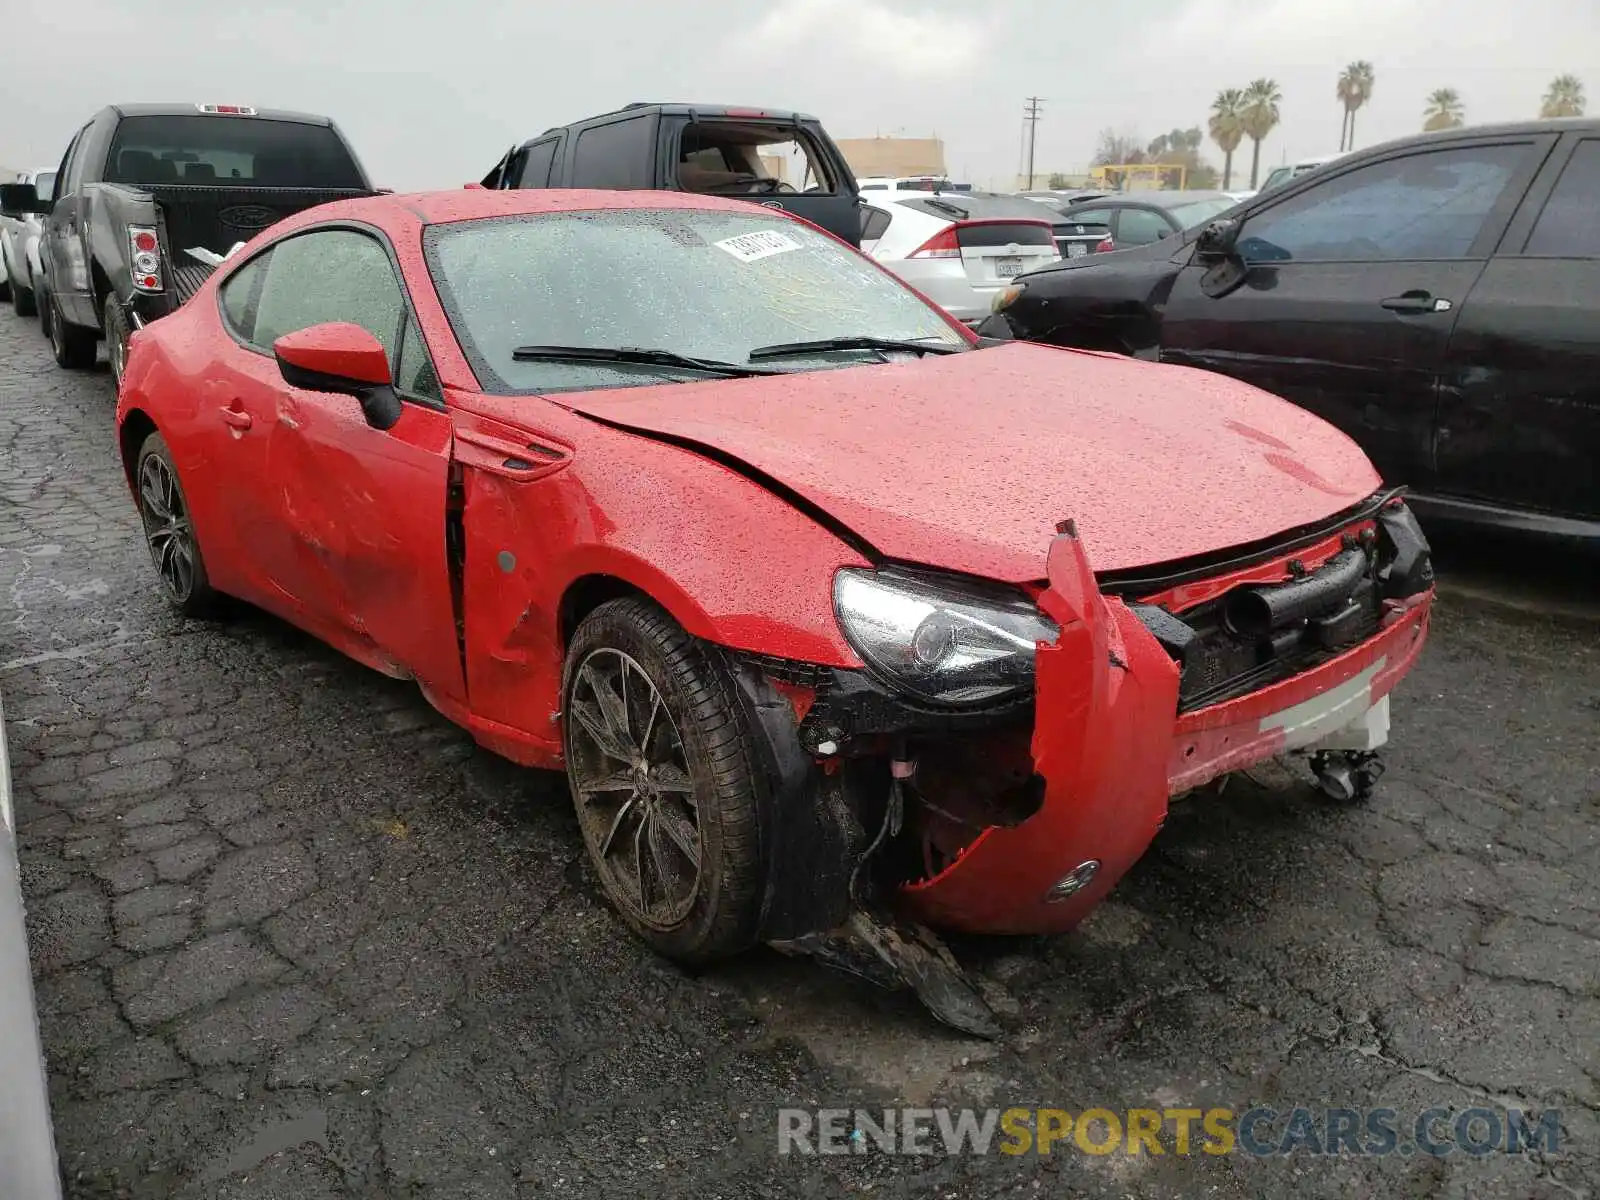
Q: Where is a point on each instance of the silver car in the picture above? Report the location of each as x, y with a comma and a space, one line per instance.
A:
19, 246
959, 249
27, 1146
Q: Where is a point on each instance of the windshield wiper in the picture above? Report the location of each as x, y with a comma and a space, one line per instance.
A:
789, 349
634, 354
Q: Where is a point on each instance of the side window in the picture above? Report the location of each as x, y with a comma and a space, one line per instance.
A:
240, 296
725, 158
415, 375
621, 154
1421, 206
1569, 226
330, 275
536, 164
1140, 227
69, 169
874, 224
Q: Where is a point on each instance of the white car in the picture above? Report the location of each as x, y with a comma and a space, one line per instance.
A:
27, 1146
902, 183
1281, 175
19, 245
959, 249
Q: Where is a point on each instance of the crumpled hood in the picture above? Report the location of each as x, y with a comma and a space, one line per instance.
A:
969, 461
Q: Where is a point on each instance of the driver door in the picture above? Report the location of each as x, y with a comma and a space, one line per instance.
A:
1352, 288
354, 528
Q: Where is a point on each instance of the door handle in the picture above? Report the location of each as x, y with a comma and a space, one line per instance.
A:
1416, 302
237, 418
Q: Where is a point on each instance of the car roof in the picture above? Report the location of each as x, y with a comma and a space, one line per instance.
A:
737, 112
963, 206
476, 204
1152, 199
193, 110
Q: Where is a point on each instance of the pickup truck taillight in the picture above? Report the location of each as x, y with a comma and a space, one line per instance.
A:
144, 258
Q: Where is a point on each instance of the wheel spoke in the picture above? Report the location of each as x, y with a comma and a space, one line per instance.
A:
640, 893
618, 781
682, 833
650, 721
611, 705
154, 506
616, 824
659, 854
594, 724
669, 777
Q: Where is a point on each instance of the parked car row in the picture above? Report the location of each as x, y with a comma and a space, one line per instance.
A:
19, 246
1435, 298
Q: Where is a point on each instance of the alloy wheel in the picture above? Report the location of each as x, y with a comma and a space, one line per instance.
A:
635, 794
166, 526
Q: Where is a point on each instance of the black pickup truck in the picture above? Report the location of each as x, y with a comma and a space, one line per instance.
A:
780, 159
143, 185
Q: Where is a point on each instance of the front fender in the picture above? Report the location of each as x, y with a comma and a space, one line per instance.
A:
731, 562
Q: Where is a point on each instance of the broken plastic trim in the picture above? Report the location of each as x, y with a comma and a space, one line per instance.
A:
1146, 581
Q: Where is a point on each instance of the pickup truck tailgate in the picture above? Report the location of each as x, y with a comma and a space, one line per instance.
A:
218, 217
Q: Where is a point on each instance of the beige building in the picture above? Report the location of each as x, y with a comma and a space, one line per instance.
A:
893, 156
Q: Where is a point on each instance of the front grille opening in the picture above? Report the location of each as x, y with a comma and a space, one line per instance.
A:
1219, 662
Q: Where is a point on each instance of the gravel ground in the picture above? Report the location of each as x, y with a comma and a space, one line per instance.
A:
295, 936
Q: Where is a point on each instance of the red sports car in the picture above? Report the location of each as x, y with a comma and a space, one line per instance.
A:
842, 622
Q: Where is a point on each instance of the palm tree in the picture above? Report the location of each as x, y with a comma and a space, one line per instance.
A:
1565, 97
1259, 118
1353, 90
1444, 111
1227, 128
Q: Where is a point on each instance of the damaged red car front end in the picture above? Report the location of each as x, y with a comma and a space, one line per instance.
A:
1117, 733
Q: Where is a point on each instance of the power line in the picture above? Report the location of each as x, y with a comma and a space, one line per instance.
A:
1030, 113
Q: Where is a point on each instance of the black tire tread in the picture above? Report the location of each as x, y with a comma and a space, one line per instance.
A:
706, 685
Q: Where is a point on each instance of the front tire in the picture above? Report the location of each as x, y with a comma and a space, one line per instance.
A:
72, 345
659, 764
22, 298
169, 532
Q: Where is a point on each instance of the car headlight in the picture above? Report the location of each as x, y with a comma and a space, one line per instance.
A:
944, 641
1006, 297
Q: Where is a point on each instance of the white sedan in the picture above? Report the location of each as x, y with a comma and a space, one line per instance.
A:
959, 249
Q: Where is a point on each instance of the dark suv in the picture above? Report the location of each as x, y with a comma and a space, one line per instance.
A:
780, 159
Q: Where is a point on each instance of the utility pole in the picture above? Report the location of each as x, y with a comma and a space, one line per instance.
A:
1031, 113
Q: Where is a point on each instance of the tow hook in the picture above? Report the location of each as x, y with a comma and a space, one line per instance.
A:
1347, 776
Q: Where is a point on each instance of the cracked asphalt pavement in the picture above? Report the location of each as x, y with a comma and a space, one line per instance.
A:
293, 935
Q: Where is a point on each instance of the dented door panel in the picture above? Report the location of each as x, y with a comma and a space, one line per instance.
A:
360, 534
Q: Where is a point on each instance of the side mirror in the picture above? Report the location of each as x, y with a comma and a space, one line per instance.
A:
1216, 240
344, 359
20, 199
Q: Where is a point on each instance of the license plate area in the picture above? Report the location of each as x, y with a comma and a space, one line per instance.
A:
1077, 249
1007, 268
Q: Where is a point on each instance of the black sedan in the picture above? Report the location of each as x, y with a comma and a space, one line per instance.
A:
1123, 221
1434, 297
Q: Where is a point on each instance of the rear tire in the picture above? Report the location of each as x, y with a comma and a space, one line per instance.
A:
72, 345
659, 763
117, 331
169, 532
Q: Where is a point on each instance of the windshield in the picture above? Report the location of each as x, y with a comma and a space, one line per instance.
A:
232, 150
703, 284
1200, 211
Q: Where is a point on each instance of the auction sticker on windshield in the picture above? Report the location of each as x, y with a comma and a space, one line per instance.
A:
763, 243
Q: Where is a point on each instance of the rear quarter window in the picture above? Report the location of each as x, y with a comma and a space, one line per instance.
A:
620, 154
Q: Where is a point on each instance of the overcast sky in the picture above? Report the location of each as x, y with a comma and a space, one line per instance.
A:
432, 93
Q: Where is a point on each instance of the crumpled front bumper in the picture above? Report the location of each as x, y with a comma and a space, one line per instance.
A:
1112, 748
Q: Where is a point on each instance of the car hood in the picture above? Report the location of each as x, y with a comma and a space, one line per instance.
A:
970, 461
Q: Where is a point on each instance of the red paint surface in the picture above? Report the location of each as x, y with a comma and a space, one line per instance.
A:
967, 462
336, 348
